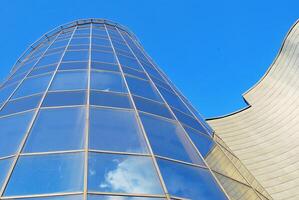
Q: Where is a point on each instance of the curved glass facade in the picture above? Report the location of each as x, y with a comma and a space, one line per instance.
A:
86, 114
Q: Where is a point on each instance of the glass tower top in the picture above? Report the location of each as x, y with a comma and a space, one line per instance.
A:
86, 114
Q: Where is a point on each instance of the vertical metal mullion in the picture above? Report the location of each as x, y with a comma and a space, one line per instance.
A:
169, 108
87, 116
17, 155
139, 120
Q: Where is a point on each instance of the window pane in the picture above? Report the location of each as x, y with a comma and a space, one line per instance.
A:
57, 130
115, 130
65, 98
33, 85
169, 140
190, 121
134, 73
102, 56
45, 174
12, 135
69, 80
189, 182
43, 70
109, 99
105, 197
5, 165
174, 101
73, 65
129, 62
107, 81
122, 174
203, 143
6, 92
104, 66
19, 105
68, 197
152, 107
142, 88
50, 59
76, 56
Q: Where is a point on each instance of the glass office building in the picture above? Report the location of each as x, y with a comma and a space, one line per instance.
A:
86, 114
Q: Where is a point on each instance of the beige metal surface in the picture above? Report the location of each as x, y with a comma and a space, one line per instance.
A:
265, 136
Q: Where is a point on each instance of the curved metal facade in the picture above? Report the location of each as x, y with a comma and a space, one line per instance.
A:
265, 135
86, 114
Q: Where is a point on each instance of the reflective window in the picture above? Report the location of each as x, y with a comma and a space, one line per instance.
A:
105, 197
73, 65
43, 70
115, 130
78, 41
174, 101
64, 98
22, 104
203, 143
57, 130
133, 72
104, 66
102, 56
169, 140
4, 168
13, 129
122, 174
45, 174
142, 88
50, 59
190, 121
189, 182
69, 80
6, 92
152, 107
129, 62
68, 197
100, 41
33, 85
107, 81
76, 55
109, 99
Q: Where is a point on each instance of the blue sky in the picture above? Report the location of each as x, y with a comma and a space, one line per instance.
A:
212, 50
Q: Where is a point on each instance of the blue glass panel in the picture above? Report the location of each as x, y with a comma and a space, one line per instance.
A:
101, 56
174, 101
109, 99
79, 41
57, 130
46, 174
33, 85
68, 197
73, 65
190, 121
78, 47
69, 80
105, 197
43, 70
104, 66
133, 72
65, 98
152, 107
50, 59
122, 174
129, 62
100, 41
169, 140
203, 143
75, 56
115, 130
142, 88
6, 92
15, 78
107, 81
5, 165
101, 48
13, 129
22, 104
189, 182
